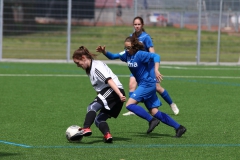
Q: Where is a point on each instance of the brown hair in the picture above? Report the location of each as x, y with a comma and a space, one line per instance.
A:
135, 34
136, 45
83, 51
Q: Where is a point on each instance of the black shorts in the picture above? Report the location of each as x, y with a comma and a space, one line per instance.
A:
113, 102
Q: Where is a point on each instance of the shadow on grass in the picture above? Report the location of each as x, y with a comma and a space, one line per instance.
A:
115, 139
152, 135
6, 154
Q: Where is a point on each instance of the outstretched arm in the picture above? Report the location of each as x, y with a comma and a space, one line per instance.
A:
109, 55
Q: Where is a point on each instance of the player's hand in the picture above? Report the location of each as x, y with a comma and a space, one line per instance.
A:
159, 76
101, 49
122, 97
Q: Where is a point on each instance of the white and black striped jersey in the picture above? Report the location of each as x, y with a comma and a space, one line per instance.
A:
99, 74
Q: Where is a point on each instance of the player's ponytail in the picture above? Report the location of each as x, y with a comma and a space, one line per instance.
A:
83, 51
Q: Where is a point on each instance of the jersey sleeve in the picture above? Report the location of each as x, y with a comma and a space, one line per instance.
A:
122, 56
102, 73
155, 57
146, 57
110, 55
148, 42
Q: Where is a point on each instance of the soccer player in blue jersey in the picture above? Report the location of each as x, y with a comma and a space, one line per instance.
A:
145, 38
142, 64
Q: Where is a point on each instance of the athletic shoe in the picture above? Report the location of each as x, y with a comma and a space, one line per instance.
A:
152, 124
128, 113
107, 138
85, 131
180, 131
174, 108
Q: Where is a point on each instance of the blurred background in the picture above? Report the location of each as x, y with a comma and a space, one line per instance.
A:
182, 30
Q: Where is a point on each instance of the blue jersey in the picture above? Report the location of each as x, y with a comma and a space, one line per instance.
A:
145, 39
138, 64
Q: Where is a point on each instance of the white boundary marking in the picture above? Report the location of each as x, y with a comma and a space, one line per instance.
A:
189, 68
68, 75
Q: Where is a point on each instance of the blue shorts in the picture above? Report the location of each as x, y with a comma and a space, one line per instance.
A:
147, 95
131, 75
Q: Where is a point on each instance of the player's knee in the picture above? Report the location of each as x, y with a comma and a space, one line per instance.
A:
132, 87
153, 111
159, 89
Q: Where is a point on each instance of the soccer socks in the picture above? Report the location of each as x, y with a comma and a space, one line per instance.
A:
89, 119
166, 97
139, 111
166, 119
103, 127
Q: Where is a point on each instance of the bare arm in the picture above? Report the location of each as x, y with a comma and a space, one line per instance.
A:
116, 89
159, 76
157, 73
151, 49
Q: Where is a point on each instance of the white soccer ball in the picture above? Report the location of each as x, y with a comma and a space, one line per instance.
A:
71, 131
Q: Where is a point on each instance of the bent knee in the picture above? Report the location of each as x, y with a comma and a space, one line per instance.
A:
159, 88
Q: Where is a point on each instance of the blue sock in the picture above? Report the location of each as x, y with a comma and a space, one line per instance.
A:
130, 93
139, 111
166, 97
166, 119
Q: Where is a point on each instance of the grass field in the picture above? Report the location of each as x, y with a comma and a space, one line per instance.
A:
40, 100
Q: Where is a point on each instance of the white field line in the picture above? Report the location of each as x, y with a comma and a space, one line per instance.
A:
208, 68
68, 75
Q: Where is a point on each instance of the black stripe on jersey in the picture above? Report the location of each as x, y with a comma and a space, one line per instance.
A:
100, 75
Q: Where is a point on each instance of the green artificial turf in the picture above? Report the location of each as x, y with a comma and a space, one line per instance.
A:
39, 101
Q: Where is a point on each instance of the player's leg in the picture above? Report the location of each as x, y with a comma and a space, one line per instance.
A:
92, 110
166, 119
132, 106
102, 125
164, 94
115, 105
132, 87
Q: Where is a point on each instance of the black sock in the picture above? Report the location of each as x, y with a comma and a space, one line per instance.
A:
103, 127
89, 119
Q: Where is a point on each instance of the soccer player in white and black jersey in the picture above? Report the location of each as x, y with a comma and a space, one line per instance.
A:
110, 94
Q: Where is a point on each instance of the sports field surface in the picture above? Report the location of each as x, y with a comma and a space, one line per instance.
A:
39, 101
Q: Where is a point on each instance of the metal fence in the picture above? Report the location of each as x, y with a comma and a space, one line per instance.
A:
49, 29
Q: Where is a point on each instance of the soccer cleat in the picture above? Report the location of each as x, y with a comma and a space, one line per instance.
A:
85, 131
180, 131
174, 108
152, 124
107, 138
129, 113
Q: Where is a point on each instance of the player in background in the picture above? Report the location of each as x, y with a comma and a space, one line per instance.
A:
110, 94
145, 38
138, 63
119, 12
